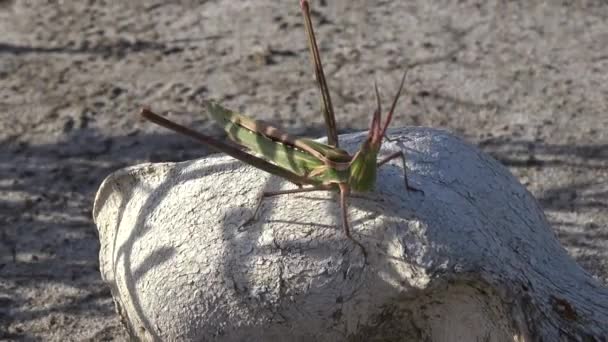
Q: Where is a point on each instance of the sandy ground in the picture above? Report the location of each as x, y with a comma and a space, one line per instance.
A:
524, 80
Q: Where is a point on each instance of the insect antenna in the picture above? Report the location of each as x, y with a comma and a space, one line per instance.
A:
389, 116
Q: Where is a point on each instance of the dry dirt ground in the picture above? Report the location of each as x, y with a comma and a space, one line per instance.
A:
524, 80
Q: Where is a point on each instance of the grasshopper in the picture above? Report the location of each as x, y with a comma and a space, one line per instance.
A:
322, 167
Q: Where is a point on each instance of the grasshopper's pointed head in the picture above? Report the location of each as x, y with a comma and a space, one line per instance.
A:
374, 136
376, 130
364, 164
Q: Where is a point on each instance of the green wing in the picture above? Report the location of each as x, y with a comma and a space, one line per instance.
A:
294, 154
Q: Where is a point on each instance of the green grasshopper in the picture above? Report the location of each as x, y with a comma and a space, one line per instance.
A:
323, 167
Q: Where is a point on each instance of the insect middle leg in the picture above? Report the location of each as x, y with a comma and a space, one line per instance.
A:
344, 192
267, 194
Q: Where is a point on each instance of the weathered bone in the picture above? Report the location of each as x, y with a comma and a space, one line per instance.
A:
473, 258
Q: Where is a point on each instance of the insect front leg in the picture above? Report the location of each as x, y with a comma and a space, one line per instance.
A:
401, 155
386, 137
